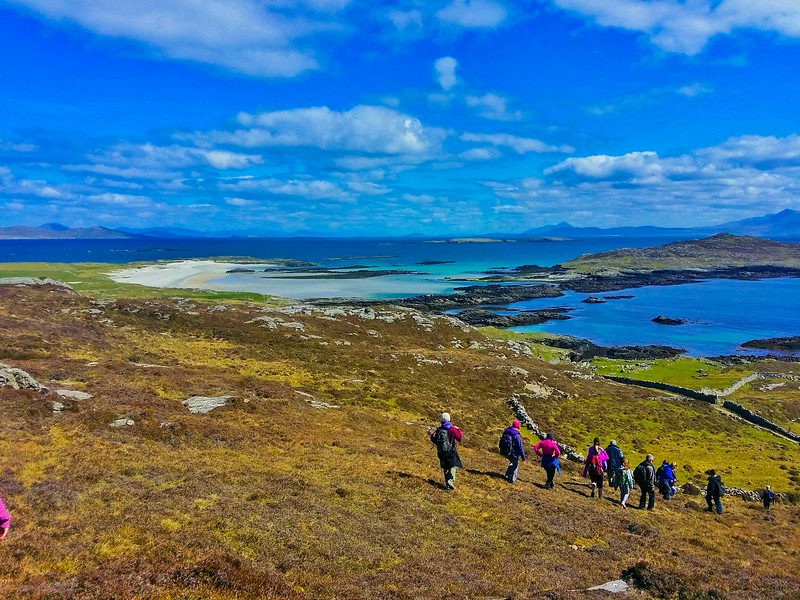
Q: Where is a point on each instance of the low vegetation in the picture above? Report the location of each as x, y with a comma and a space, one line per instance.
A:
317, 479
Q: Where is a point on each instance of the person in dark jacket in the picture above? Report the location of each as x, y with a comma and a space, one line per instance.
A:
647, 482
517, 451
444, 438
615, 458
768, 497
714, 491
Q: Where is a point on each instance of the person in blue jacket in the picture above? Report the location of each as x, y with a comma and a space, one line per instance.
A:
666, 480
517, 451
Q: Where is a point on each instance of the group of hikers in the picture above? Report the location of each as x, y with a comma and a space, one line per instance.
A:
599, 463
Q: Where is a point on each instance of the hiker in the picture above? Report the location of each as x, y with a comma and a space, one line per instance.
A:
511, 447
645, 477
595, 466
625, 483
666, 479
615, 458
714, 490
5, 520
549, 452
445, 438
768, 497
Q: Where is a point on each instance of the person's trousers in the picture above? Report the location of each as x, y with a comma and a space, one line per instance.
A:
651, 499
551, 472
450, 477
597, 479
714, 500
513, 468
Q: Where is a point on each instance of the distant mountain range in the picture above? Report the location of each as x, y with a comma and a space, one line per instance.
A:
782, 225
785, 224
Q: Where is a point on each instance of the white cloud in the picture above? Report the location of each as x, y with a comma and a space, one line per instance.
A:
308, 189
492, 106
364, 128
687, 26
520, 145
148, 161
652, 96
741, 176
406, 20
247, 36
239, 202
445, 68
367, 188
486, 153
483, 14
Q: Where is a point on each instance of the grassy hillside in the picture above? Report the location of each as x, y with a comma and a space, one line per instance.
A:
718, 251
270, 496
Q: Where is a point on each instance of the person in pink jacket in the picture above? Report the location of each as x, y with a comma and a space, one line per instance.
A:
595, 466
5, 520
549, 452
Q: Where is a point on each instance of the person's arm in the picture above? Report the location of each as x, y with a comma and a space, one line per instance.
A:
521, 448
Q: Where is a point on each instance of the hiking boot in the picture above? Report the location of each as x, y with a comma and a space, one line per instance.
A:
594, 488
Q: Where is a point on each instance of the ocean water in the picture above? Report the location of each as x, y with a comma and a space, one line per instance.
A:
722, 313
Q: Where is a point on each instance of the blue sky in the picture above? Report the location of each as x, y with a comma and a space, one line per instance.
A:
372, 118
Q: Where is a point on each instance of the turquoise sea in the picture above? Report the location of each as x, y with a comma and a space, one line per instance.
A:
721, 313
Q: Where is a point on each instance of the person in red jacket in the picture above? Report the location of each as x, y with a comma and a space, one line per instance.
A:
444, 438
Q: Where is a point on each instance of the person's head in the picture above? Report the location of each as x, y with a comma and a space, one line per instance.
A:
550, 436
596, 442
612, 443
649, 458
711, 472
626, 463
674, 465
445, 417
515, 424
766, 487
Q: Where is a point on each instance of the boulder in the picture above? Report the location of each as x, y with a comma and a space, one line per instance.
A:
19, 379
199, 405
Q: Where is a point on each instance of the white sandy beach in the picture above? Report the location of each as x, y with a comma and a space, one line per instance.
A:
211, 275
197, 274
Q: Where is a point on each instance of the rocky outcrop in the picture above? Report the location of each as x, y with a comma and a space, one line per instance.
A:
35, 281
662, 320
19, 379
593, 300
200, 405
478, 317
585, 350
781, 344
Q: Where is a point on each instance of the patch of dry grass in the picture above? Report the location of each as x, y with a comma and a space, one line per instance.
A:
269, 497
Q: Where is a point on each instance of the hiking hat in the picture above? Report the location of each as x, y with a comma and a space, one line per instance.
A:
515, 424
445, 417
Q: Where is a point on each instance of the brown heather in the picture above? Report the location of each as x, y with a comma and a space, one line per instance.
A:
270, 497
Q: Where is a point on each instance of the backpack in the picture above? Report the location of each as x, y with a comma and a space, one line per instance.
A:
442, 441
659, 473
597, 464
640, 475
506, 444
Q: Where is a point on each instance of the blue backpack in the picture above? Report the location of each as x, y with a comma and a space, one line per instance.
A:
506, 444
